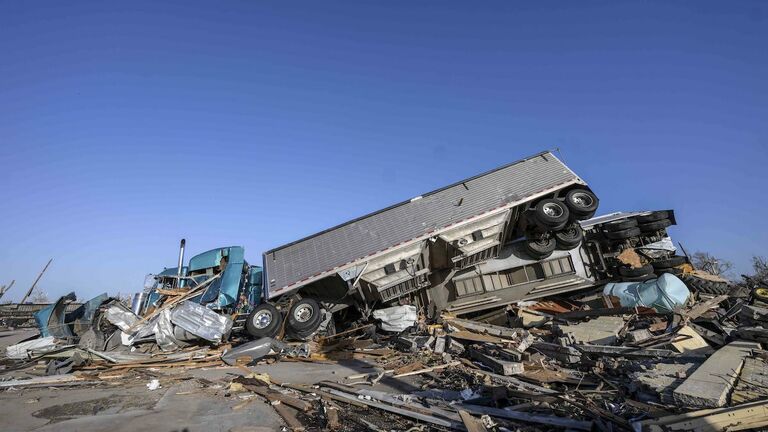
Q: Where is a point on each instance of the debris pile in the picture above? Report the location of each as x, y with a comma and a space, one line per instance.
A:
579, 363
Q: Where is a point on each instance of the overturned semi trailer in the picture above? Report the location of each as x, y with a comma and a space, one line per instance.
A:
411, 252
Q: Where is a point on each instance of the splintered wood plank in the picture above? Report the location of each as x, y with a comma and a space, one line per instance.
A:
472, 424
289, 416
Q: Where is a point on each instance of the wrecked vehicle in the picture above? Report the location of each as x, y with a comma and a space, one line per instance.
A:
236, 288
522, 231
406, 253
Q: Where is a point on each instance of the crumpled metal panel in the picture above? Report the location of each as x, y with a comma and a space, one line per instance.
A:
164, 332
122, 317
201, 321
254, 350
51, 320
24, 349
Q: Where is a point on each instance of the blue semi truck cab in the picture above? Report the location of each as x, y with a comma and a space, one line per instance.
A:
235, 292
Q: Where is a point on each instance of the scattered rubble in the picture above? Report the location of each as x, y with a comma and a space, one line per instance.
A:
589, 366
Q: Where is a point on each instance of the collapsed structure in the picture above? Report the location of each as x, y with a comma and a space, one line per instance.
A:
506, 276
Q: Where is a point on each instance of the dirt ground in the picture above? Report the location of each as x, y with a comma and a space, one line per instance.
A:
189, 400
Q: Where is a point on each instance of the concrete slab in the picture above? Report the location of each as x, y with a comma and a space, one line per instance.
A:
753, 382
709, 385
663, 378
597, 331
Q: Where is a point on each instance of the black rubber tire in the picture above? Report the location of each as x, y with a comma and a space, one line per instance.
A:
653, 217
581, 203
639, 272
668, 263
540, 249
623, 234
638, 278
655, 226
271, 329
620, 225
760, 293
553, 222
534, 234
312, 323
705, 286
570, 236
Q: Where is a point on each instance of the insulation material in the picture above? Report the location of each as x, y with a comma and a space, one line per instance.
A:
396, 319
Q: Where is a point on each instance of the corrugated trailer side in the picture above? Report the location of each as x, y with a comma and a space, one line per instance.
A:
292, 266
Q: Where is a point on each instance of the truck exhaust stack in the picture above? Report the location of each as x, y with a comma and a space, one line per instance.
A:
181, 261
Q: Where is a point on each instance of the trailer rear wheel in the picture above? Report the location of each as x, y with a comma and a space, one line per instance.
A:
623, 234
636, 272
668, 263
570, 236
305, 317
653, 217
541, 248
655, 226
582, 203
264, 321
551, 214
620, 225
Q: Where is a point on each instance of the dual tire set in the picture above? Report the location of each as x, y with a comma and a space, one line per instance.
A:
622, 230
303, 319
648, 271
637, 226
555, 223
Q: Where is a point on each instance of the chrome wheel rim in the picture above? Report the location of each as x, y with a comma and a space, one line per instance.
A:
582, 200
552, 210
262, 319
303, 313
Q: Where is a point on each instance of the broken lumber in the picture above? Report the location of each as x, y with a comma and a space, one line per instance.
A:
398, 410
483, 328
693, 343
277, 396
477, 337
519, 384
288, 416
526, 417
740, 417
700, 308
620, 351
47, 381
498, 366
472, 424
430, 369
331, 414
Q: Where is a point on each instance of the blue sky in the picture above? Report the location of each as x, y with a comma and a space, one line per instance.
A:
127, 126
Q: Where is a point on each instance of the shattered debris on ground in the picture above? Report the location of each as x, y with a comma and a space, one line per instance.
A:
588, 366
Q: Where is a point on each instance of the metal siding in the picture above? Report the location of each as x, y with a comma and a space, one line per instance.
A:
339, 246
